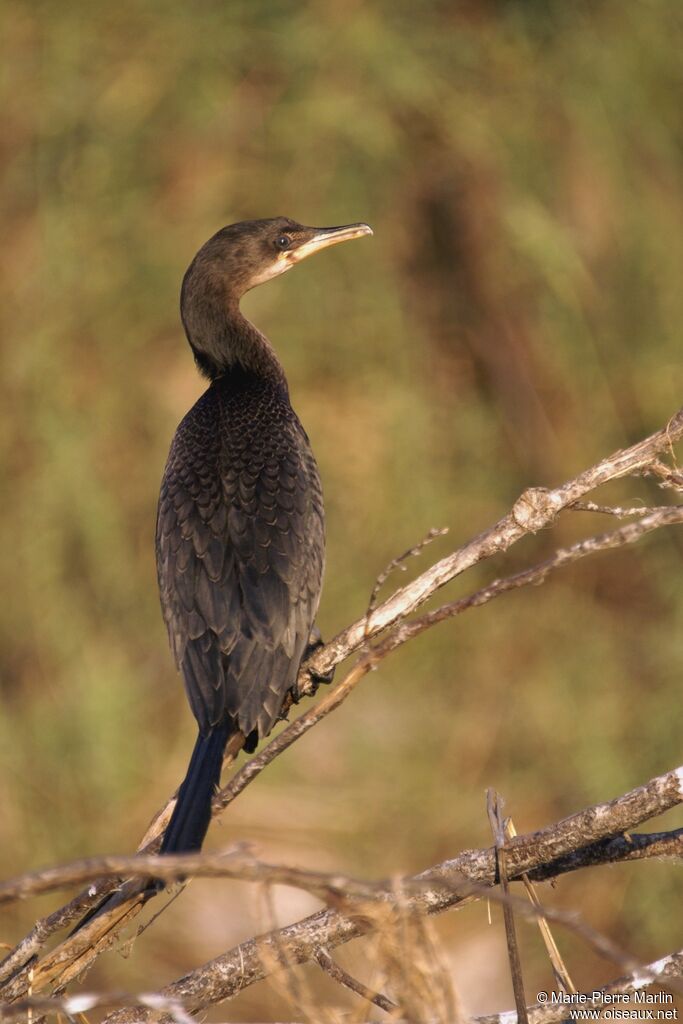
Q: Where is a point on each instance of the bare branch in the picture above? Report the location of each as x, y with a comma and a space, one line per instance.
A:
619, 511
661, 972
82, 1003
447, 885
495, 814
596, 940
405, 631
626, 847
667, 478
331, 967
535, 509
399, 563
559, 968
327, 886
534, 576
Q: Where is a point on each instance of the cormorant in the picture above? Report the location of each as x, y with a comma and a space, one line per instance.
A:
240, 537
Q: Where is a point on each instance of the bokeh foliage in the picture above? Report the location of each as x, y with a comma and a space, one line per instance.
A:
516, 317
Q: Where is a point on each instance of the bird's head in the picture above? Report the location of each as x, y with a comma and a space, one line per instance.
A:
239, 257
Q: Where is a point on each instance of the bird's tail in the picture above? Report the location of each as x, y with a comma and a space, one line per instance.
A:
192, 813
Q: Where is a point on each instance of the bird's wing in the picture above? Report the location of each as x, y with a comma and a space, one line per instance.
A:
240, 543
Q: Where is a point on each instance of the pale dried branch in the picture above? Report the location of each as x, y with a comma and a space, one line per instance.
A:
667, 478
71, 1006
466, 877
329, 887
559, 968
600, 943
77, 954
618, 511
661, 972
331, 967
495, 815
534, 510
621, 848
534, 576
400, 563
337, 889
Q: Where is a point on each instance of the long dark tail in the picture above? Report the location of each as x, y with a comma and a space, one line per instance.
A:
192, 813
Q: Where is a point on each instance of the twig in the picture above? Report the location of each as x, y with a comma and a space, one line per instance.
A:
559, 969
325, 961
82, 1003
534, 510
634, 846
399, 563
332, 886
666, 476
293, 732
284, 975
495, 814
329, 886
534, 576
596, 940
661, 972
171, 868
618, 510
450, 884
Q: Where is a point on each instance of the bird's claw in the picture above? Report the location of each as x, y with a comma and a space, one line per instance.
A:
315, 642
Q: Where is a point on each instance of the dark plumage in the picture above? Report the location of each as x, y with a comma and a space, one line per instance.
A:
240, 529
240, 538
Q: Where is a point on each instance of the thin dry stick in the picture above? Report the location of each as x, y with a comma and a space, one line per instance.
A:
534, 510
399, 563
537, 574
495, 814
596, 940
330, 702
559, 969
331, 967
667, 478
78, 1005
76, 953
623, 848
332, 887
662, 972
171, 867
619, 511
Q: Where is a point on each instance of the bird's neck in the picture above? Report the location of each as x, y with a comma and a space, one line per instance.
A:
229, 343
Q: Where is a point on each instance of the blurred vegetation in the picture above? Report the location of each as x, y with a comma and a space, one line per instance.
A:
515, 318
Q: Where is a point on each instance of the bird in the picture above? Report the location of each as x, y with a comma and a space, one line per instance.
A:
240, 535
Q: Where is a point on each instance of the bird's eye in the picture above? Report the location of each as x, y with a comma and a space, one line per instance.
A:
283, 242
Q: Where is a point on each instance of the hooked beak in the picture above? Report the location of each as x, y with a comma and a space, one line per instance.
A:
322, 238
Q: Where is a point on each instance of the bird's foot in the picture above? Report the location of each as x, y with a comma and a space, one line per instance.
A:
315, 642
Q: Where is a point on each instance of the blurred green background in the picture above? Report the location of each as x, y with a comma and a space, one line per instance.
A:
515, 318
